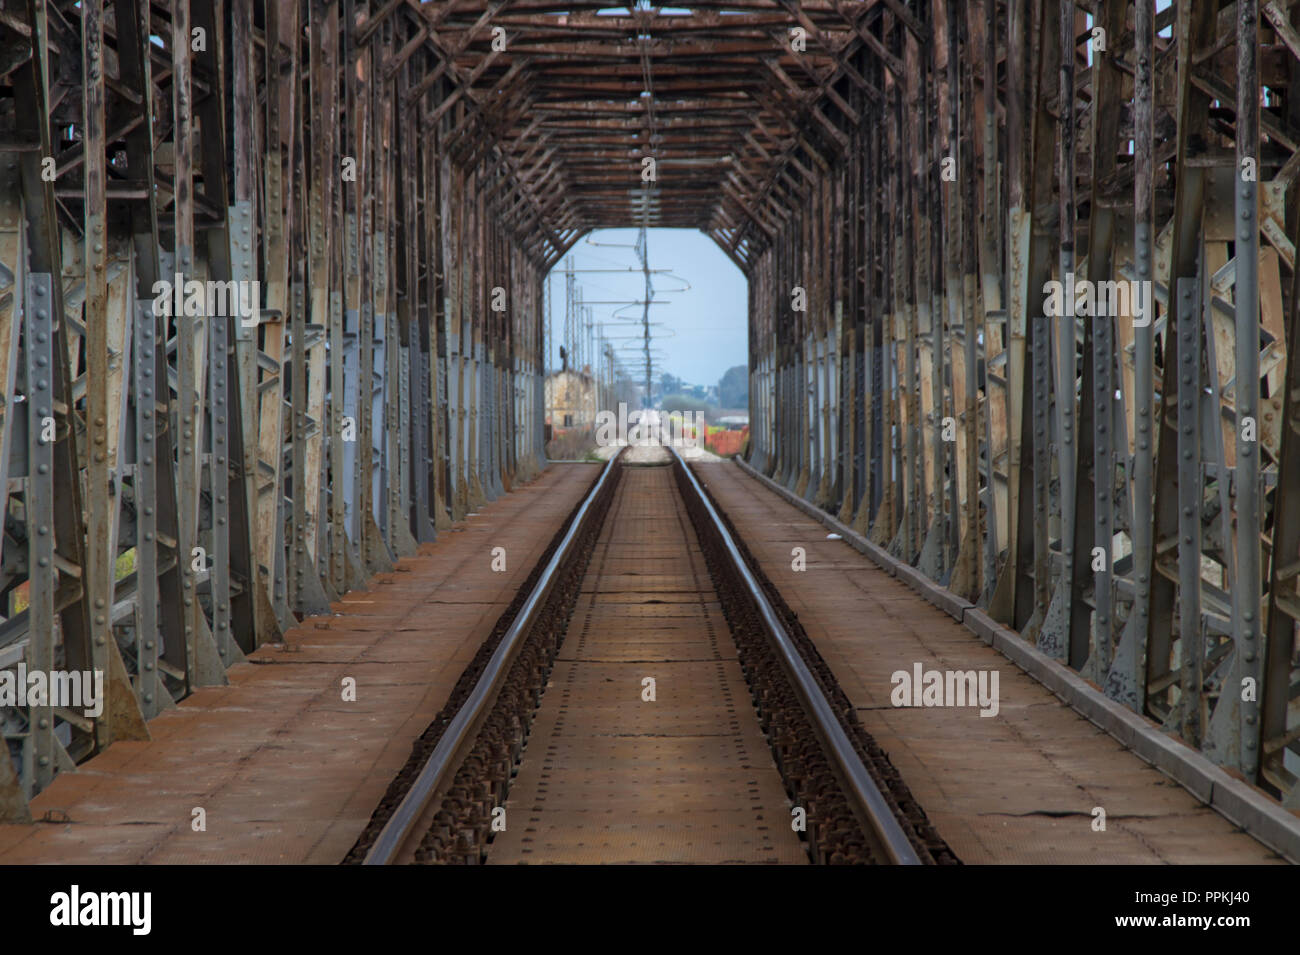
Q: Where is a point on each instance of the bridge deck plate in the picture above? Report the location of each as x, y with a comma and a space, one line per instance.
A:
1017, 787
286, 771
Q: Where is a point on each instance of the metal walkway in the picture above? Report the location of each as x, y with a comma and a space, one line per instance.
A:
286, 768
1020, 785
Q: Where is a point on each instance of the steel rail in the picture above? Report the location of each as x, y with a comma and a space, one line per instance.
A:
859, 785
447, 754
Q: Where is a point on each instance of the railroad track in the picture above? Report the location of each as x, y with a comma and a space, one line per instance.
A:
647, 698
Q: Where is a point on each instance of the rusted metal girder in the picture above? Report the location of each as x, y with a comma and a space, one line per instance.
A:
1124, 502
364, 197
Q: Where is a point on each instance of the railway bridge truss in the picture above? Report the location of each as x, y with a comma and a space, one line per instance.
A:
271, 313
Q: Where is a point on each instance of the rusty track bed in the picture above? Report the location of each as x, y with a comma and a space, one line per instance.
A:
768, 634
643, 750
482, 671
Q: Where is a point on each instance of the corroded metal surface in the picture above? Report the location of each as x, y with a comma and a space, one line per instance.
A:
385, 184
624, 711
612, 776
1019, 786
287, 771
859, 807
438, 804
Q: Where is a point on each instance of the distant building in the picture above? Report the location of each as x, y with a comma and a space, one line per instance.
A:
734, 422
570, 399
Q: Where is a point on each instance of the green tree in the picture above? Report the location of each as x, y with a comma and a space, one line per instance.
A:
733, 388
685, 403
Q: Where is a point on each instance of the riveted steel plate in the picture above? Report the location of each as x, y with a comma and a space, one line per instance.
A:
616, 773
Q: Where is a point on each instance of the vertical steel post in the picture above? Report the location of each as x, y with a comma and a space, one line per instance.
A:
1064, 328
147, 633
1188, 417
101, 547
1125, 682
1247, 580
38, 349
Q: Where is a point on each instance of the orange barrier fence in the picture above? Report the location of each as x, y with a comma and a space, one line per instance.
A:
725, 443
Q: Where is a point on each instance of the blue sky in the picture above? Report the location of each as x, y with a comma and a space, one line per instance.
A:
704, 328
